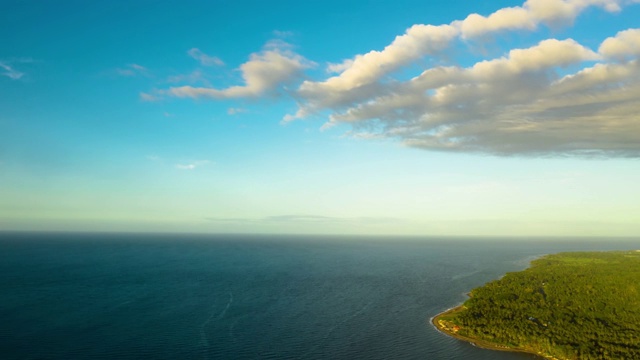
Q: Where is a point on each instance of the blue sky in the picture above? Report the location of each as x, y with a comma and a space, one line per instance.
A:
343, 117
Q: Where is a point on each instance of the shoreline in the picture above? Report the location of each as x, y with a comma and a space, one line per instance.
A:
439, 324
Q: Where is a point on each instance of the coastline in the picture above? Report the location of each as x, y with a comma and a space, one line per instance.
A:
497, 318
441, 325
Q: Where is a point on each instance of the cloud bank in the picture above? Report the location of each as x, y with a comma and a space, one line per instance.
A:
554, 98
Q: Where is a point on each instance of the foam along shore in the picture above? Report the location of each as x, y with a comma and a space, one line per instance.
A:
444, 325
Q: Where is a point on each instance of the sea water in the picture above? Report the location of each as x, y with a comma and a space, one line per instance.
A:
97, 296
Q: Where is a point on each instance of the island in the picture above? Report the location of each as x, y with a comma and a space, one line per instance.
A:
578, 305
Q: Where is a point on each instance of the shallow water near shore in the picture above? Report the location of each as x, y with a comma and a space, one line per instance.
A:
248, 297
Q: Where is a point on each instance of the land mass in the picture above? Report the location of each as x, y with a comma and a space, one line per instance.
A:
582, 305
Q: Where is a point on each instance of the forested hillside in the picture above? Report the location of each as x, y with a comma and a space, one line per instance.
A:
569, 305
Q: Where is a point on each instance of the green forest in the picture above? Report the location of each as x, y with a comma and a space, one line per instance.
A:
583, 305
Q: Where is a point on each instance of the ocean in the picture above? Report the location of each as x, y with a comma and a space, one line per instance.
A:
167, 296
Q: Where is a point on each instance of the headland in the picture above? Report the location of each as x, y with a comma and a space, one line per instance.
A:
583, 305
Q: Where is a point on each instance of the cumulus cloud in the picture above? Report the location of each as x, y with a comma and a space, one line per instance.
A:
418, 41
363, 71
204, 59
364, 76
517, 104
554, 13
514, 18
555, 97
526, 102
453, 88
548, 53
625, 44
264, 74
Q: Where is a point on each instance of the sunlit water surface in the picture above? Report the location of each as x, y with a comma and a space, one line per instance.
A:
96, 296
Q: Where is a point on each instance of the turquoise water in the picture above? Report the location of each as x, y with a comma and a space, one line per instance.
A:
92, 296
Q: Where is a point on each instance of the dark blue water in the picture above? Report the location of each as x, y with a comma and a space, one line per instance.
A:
90, 296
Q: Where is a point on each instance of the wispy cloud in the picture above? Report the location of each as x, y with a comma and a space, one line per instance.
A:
306, 219
149, 97
184, 165
235, 111
195, 77
133, 70
282, 33
204, 59
10, 72
192, 165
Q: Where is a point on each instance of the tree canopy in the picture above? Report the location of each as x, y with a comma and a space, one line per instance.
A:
583, 305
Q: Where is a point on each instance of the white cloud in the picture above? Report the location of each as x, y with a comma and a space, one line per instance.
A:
554, 11
285, 34
149, 97
339, 67
137, 67
204, 59
624, 44
522, 103
514, 18
133, 70
10, 72
556, 97
527, 17
235, 111
263, 74
517, 104
564, 12
453, 86
192, 165
363, 76
418, 41
195, 77
597, 76
359, 77
548, 53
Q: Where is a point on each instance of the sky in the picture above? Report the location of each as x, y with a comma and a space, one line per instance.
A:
456, 118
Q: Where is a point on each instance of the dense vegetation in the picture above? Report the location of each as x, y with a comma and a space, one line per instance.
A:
569, 305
